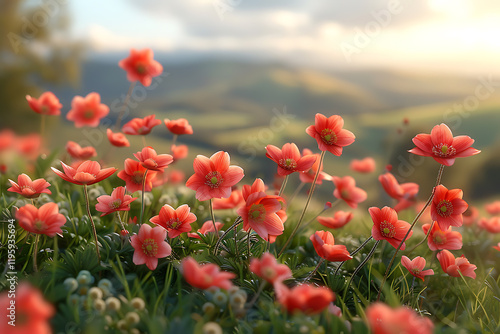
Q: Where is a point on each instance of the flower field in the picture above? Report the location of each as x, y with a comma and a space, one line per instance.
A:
91, 246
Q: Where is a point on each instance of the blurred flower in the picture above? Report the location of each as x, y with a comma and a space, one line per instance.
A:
447, 207
214, 177
7, 137
211, 327
404, 193
205, 276
118, 201
305, 298
345, 188
233, 201
470, 215
152, 161
28, 188
491, 225
384, 320
150, 245
175, 221
88, 172
453, 266
87, 111
269, 269
78, 152
308, 176
442, 146
179, 151
416, 267
497, 246
31, 313
386, 226
46, 104
141, 66
366, 165
288, 159
84, 277
140, 126
133, 174
45, 220
439, 239
493, 208
329, 134
178, 127
207, 227
324, 245
29, 145
117, 139
340, 219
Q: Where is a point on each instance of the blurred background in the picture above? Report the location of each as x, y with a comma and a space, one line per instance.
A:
247, 74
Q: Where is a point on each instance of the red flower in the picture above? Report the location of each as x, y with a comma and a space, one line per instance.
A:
31, 311
308, 176
46, 104
88, 172
117, 139
205, 276
345, 188
152, 161
257, 186
150, 245
269, 269
133, 174
470, 215
118, 201
234, 200
442, 146
324, 245
439, 239
78, 152
416, 267
340, 219
45, 220
384, 320
213, 178
491, 225
28, 188
29, 145
329, 134
141, 66
404, 193
87, 111
175, 221
453, 266
178, 127
179, 151
386, 226
289, 159
7, 137
493, 208
366, 165
497, 247
447, 207
304, 298
207, 227
140, 126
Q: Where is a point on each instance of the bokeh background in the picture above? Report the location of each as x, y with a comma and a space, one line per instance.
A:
247, 74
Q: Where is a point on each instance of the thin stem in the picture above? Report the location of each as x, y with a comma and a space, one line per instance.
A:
212, 215
174, 140
425, 238
324, 209
352, 254
283, 185
217, 244
248, 242
42, 127
358, 268
35, 253
94, 232
438, 181
144, 141
254, 299
314, 271
299, 188
120, 116
311, 191
142, 196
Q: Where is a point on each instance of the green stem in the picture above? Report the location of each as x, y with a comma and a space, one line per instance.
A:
212, 215
358, 268
144, 141
259, 291
283, 185
299, 188
438, 181
174, 140
352, 254
217, 244
35, 253
94, 232
422, 241
338, 200
314, 271
142, 196
311, 191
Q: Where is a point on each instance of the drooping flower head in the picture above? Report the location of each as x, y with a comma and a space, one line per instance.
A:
442, 146
386, 226
447, 207
308, 176
118, 201
207, 227
78, 152
175, 221
213, 177
416, 267
288, 159
345, 188
117, 139
45, 220
340, 219
152, 161
324, 245
269, 269
46, 104
88, 172
305, 298
140, 126
452, 266
150, 245
404, 193
329, 134
141, 66
205, 276
384, 320
28, 188
87, 111
439, 239
366, 165
133, 174
179, 126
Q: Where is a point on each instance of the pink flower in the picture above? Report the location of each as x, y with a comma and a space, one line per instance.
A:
453, 266
447, 207
141, 66
345, 188
7, 138
340, 219
117, 139
178, 127
416, 267
493, 208
46, 104
78, 152
179, 151
470, 215
325, 247
88, 172
214, 177
404, 193
150, 245
28, 188
329, 134
366, 165
308, 176
442, 146
140, 126
133, 175
386, 226
152, 161
175, 221
29, 145
439, 239
384, 320
491, 225
205, 276
305, 298
45, 220
118, 201
269, 269
207, 227
87, 111
233, 201
289, 159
